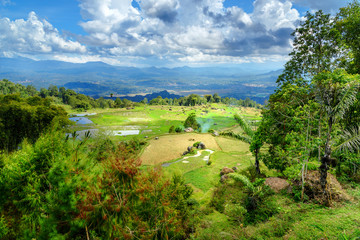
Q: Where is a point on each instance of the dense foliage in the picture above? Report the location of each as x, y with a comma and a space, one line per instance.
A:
62, 188
312, 115
22, 118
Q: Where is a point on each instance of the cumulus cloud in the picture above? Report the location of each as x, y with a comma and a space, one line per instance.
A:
189, 30
165, 10
34, 36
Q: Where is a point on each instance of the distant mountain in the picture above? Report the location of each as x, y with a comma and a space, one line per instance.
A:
101, 79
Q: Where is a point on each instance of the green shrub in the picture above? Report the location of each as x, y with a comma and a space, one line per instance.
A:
236, 212
218, 199
3, 228
196, 144
179, 129
172, 129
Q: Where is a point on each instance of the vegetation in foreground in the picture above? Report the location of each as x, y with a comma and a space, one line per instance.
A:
59, 187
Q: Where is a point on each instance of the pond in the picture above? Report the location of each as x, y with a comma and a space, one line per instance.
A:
125, 132
95, 132
81, 120
83, 114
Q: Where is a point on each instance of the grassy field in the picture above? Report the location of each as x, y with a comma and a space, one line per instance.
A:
153, 121
293, 221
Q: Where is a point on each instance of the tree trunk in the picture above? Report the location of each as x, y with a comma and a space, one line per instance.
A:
325, 160
319, 148
257, 164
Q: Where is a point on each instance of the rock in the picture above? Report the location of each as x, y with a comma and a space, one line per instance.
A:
189, 129
224, 178
215, 124
156, 138
201, 146
146, 136
226, 170
189, 148
215, 133
235, 169
184, 153
277, 184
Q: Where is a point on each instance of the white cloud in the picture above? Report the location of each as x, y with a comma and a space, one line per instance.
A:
166, 30
188, 29
34, 36
275, 14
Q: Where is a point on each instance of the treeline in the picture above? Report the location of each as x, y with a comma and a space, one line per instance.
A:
83, 102
26, 118
195, 99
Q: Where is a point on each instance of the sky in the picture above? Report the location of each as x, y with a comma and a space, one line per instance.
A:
161, 33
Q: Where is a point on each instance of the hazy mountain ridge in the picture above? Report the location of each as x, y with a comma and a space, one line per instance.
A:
120, 80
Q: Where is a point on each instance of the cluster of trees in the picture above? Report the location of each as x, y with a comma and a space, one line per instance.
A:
313, 115
63, 188
195, 99
26, 118
81, 101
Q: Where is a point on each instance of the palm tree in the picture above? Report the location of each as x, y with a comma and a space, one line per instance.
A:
336, 93
251, 137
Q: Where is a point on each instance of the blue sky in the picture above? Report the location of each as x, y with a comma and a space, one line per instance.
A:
161, 33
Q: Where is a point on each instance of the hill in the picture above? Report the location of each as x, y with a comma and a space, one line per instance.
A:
101, 79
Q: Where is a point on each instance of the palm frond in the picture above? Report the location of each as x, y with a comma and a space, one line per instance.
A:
244, 125
349, 140
346, 99
244, 180
237, 136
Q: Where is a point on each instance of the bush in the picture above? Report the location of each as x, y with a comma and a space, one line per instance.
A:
236, 212
196, 144
218, 199
179, 129
172, 129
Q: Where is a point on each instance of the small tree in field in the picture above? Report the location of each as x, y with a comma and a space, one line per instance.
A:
191, 122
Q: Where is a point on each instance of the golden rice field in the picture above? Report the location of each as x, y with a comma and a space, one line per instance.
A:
169, 147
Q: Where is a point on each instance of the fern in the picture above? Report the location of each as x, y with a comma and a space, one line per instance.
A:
350, 140
244, 180
244, 125
237, 136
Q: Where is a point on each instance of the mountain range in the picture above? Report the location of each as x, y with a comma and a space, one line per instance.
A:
101, 79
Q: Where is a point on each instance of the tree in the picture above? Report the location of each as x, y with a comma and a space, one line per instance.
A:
316, 48
118, 103
31, 90
26, 118
336, 92
44, 92
191, 122
144, 101
216, 98
53, 90
349, 27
